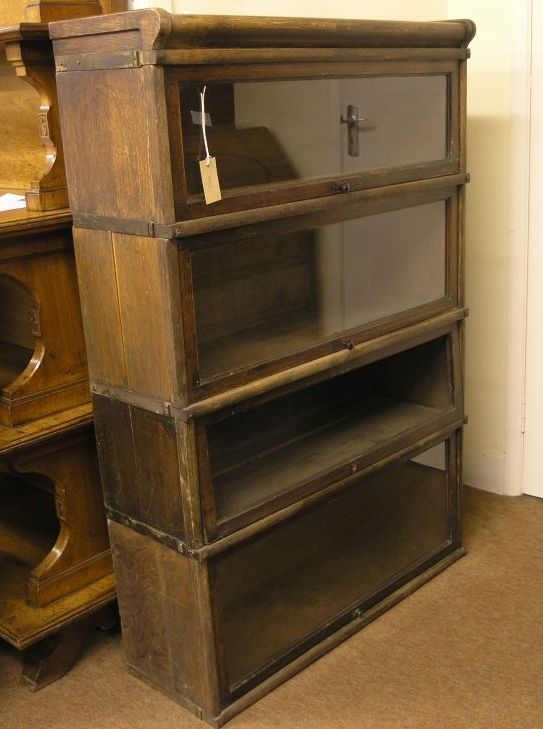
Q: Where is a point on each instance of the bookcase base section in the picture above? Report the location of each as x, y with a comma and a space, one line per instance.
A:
307, 658
217, 633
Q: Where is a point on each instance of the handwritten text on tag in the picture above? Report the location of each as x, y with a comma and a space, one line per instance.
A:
210, 180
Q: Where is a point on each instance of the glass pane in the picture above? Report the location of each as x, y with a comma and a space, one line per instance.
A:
287, 583
314, 436
274, 295
262, 132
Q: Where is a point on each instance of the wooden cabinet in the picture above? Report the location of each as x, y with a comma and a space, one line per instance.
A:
277, 376
56, 580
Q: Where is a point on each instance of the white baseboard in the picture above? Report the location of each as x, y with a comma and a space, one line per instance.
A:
485, 471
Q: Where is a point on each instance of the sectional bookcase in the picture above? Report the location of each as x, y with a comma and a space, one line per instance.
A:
277, 377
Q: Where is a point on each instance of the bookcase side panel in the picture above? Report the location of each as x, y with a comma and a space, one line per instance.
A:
139, 466
99, 304
148, 291
103, 113
131, 301
158, 592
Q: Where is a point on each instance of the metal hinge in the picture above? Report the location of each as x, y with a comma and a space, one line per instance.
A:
136, 59
101, 61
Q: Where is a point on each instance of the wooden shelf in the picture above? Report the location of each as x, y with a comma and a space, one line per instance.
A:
12, 439
23, 625
372, 423
28, 529
260, 344
16, 222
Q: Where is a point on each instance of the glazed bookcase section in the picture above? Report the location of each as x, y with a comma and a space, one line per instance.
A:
290, 139
264, 297
340, 557
344, 560
263, 457
275, 112
270, 296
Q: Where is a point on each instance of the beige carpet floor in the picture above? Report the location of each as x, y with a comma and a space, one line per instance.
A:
463, 652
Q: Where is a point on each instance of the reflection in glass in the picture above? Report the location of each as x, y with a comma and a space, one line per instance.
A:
330, 559
262, 132
260, 299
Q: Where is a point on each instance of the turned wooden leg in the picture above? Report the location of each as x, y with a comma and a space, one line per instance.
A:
81, 552
52, 657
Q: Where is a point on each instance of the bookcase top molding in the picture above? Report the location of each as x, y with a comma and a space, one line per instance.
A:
155, 29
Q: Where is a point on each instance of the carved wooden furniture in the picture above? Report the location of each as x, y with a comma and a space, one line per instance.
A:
277, 376
56, 579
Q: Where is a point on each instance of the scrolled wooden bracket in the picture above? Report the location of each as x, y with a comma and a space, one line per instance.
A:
81, 554
33, 60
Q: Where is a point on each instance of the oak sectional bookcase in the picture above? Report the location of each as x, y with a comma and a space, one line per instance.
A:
277, 377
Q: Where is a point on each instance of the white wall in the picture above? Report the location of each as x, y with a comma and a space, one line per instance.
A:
533, 481
496, 239
496, 216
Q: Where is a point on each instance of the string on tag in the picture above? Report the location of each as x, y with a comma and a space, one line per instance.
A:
204, 134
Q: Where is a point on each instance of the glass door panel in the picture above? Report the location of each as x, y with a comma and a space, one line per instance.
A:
271, 296
336, 556
268, 132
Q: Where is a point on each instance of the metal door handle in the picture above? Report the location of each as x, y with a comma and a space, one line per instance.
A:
353, 122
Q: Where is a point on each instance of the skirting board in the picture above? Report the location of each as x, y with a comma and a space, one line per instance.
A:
486, 471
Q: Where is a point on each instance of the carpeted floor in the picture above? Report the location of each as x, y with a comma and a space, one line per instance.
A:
463, 652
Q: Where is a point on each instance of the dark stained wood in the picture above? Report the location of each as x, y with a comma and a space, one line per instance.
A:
333, 364
331, 641
124, 184
241, 446
143, 272
50, 659
335, 206
140, 474
103, 332
420, 443
157, 29
212, 56
268, 456
342, 554
167, 584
